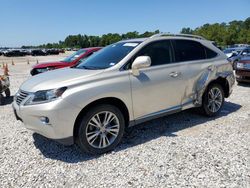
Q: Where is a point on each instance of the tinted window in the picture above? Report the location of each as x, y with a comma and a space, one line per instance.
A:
159, 52
210, 53
187, 50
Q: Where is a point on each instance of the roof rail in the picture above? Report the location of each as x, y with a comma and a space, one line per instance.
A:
178, 35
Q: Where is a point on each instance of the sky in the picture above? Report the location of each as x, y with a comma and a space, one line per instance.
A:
34, 22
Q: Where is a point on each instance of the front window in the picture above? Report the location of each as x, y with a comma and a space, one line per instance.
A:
74, 56
160, 52
108, 56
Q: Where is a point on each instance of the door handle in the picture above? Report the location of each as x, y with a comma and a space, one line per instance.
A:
174, 74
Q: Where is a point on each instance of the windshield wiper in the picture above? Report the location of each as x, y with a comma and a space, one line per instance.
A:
90, 67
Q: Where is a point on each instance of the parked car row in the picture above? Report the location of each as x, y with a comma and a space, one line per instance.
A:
33, 52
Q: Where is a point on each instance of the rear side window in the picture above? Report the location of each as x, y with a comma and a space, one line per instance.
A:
160, 52
187, 50
210, 53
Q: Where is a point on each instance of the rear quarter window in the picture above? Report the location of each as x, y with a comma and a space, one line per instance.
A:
210, 53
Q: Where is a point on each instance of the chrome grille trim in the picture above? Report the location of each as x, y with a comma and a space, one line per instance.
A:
21, 96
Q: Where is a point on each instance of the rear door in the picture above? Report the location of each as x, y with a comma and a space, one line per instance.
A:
195, 62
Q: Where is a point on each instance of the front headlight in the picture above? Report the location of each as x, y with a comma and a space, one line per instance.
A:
240, 65
45, 96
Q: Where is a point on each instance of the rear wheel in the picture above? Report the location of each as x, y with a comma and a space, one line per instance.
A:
101, 129
213, 100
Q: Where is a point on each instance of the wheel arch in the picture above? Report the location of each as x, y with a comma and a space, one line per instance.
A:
107, 100
223, 82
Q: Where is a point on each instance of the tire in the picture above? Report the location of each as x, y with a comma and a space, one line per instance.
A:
7, 92
234, 64
1, 99
213, 108
93, 137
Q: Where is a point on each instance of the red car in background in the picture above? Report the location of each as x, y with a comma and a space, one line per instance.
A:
242, 69
69, 61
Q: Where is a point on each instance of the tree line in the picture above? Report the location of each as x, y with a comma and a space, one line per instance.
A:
234, 32
85, 41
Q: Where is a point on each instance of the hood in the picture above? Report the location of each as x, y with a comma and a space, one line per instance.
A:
49, 64
57, 78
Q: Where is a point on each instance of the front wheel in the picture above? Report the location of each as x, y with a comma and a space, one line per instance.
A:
213, 100
101, 129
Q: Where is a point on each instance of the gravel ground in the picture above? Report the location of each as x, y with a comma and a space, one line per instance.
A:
184, 149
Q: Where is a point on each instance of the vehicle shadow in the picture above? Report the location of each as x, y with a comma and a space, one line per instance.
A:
244, 84
8, 100
139, 134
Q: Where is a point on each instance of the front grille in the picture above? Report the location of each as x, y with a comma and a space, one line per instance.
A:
21, 95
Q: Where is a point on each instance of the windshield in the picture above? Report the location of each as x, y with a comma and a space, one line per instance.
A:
74, 56
108, 56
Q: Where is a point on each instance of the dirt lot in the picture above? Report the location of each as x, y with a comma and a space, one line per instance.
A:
180, 150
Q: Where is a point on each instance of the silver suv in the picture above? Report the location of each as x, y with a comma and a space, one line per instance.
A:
124, 84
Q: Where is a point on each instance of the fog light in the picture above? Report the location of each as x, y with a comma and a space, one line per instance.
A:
44, 120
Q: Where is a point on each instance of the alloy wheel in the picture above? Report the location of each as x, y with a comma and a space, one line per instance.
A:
102, 129
215, 99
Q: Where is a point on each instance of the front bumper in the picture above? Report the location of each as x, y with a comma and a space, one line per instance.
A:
243, 75
61, 115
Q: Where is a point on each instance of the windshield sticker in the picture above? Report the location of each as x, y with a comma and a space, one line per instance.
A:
130, 44
111, 64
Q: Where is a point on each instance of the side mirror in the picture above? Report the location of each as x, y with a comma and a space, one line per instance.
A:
139, 63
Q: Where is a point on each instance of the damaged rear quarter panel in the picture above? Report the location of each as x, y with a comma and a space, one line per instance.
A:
211, 70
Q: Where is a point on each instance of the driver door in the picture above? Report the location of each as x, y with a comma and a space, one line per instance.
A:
158, 88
